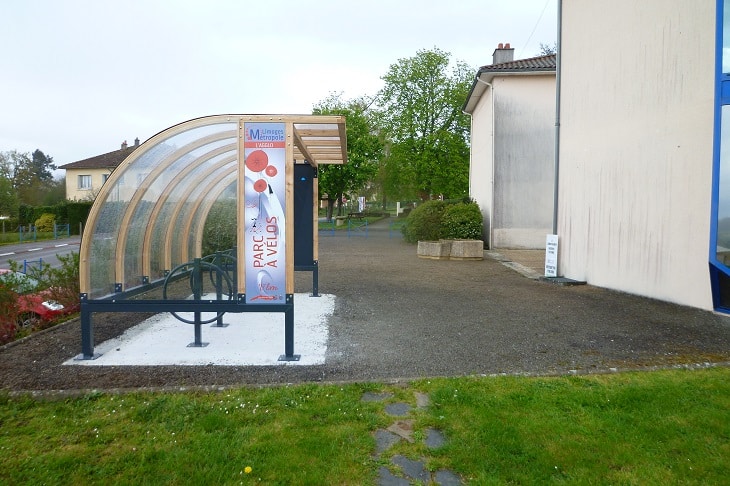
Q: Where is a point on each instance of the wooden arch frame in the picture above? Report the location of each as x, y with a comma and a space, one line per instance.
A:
148, 181
311, 138
172, 186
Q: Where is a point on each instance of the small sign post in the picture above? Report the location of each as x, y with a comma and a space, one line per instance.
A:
551, 256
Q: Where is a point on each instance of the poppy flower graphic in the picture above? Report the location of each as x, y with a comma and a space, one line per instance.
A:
260, 185
271, 171
257, 161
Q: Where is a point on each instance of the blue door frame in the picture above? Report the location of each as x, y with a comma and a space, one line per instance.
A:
719, 270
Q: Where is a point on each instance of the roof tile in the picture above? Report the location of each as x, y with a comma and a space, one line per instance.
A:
541, 63
105, 161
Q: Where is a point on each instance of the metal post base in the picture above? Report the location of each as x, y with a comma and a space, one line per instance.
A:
197, 345
293, 357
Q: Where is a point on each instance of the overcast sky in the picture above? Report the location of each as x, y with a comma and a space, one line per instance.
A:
79, 77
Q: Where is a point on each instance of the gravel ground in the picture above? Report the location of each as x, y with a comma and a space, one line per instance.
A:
399, 317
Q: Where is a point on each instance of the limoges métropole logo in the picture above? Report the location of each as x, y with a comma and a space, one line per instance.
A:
261, 137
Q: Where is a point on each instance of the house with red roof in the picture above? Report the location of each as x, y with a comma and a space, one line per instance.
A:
85, 177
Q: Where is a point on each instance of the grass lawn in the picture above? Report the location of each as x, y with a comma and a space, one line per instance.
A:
664, 427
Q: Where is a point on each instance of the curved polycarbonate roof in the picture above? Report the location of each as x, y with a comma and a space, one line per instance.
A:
176, 197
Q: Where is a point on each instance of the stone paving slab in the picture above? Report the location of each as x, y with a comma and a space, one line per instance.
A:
410, 471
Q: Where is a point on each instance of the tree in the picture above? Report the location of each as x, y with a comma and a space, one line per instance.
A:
8, 198
428, 134
547, 49
42, 166
31, 176
9, 201
364, 149
54, 192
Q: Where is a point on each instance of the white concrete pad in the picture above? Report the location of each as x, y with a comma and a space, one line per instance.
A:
251, 338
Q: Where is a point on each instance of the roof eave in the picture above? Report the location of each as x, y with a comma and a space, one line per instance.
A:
485, 76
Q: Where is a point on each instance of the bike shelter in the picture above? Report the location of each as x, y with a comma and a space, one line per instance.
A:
210, 216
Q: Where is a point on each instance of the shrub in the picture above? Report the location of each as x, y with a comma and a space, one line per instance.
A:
424, 222
62, 281
77, 212
219, 232
8, 314
462, 221
435, 220
45, 223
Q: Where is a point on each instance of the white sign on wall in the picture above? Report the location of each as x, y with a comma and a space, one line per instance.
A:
551, 256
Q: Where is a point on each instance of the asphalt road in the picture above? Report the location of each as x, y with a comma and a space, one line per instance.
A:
46, 250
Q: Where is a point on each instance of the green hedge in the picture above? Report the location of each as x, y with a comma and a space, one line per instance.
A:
424, 222
462, 221
77, 212
66, 212
435, 220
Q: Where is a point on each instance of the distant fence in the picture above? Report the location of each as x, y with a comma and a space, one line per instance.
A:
27, 234
395, 228
60, 230
357, 229
327, 228
29, 264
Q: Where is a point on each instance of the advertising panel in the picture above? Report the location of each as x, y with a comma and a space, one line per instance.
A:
265, 206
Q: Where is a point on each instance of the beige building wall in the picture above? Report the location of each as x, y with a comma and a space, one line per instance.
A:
480, 162
512, 165
525, 154
76, 193
636, 119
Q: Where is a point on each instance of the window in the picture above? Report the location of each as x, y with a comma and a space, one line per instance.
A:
85, 182
104, 178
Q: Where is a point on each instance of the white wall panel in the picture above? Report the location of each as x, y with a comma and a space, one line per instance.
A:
524, 167
636, 146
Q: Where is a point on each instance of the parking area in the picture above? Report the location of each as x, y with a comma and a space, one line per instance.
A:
396, 316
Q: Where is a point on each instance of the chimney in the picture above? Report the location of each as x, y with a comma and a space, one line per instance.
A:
124, 145
136, 142
503, 53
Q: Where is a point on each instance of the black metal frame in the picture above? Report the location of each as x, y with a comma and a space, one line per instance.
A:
114, 304
120, 302
315, 276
